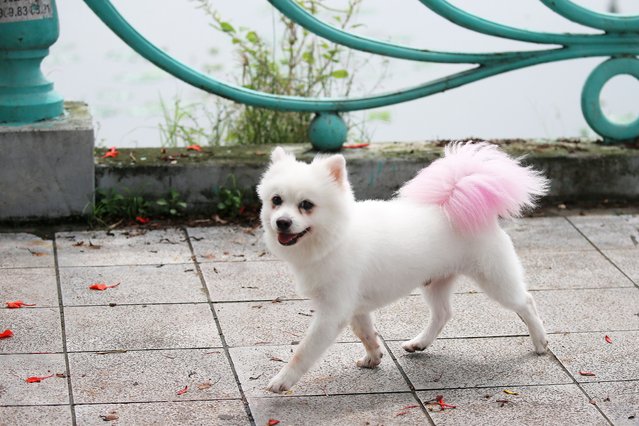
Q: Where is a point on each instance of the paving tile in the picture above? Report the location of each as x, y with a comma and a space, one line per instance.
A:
589, 309
34, 330
36, 415
25, 251
474, 315
177, 283
571, 270
31, 285
372, 409
14, 390
148, 376
609, 231
122, 247
228, 244
335, 373
227, 412
619, 401
553, 234
267, 323
498, 361
627, 261
236, 281
590, 352
103, 328
534, 405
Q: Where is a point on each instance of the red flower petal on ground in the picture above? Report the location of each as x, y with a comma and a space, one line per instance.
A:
587, 373
102, 286
142, 220
194, 147
183, 390
111, 153
37, 379
6, 334
442, 404
18, 304
272, 422
608, 339
356, 145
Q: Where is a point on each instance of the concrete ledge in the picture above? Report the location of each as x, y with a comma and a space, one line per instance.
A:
47, 168
580, 170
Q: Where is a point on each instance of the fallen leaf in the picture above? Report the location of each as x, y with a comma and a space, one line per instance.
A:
183, 390
194, 147
102, 286
502, 402
37, 379
94, 246
204, 386
18, 304
272, 422
78, 244
509, 392
586, 373
111, 153
37, 253
608, 339
6, 334
110, 417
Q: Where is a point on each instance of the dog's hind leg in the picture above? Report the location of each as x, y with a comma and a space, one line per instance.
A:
437, 296
503, 281
363, 328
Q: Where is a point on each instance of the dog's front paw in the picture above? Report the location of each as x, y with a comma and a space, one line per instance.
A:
281, 383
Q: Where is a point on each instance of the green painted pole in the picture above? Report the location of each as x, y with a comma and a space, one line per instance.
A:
27, 29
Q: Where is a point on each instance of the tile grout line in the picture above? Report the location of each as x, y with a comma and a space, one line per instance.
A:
63, 331
225, 346
602, 253
411, 387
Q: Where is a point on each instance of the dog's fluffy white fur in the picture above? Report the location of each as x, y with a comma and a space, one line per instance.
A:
352, 257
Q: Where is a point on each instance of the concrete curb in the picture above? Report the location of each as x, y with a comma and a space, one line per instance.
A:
580, 170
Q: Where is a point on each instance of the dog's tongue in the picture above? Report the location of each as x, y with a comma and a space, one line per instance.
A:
285, 238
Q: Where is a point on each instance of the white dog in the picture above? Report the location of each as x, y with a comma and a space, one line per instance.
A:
352, 257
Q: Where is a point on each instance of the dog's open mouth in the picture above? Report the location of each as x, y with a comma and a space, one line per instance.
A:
287, 239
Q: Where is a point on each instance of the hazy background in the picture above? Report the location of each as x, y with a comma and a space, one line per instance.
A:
123, 90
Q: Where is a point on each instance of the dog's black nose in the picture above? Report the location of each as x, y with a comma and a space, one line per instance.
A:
283, 223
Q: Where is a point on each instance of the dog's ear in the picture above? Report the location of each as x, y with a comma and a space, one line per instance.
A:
336, 165
279, 154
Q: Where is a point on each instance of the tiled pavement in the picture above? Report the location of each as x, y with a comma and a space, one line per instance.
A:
208, 311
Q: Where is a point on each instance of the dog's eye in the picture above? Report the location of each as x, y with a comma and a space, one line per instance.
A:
276, 200
306, 205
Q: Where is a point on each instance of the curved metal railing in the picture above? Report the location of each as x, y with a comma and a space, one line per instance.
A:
619, 40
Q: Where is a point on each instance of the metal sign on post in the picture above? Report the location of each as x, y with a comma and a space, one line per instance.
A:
27, 29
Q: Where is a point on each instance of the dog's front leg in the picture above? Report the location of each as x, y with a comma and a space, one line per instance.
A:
324, 329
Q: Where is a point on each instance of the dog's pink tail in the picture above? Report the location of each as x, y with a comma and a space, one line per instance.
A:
475, 183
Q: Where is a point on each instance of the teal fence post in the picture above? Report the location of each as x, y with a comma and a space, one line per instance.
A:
27, 29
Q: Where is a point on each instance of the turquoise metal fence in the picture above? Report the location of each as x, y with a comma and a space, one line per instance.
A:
617, 41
